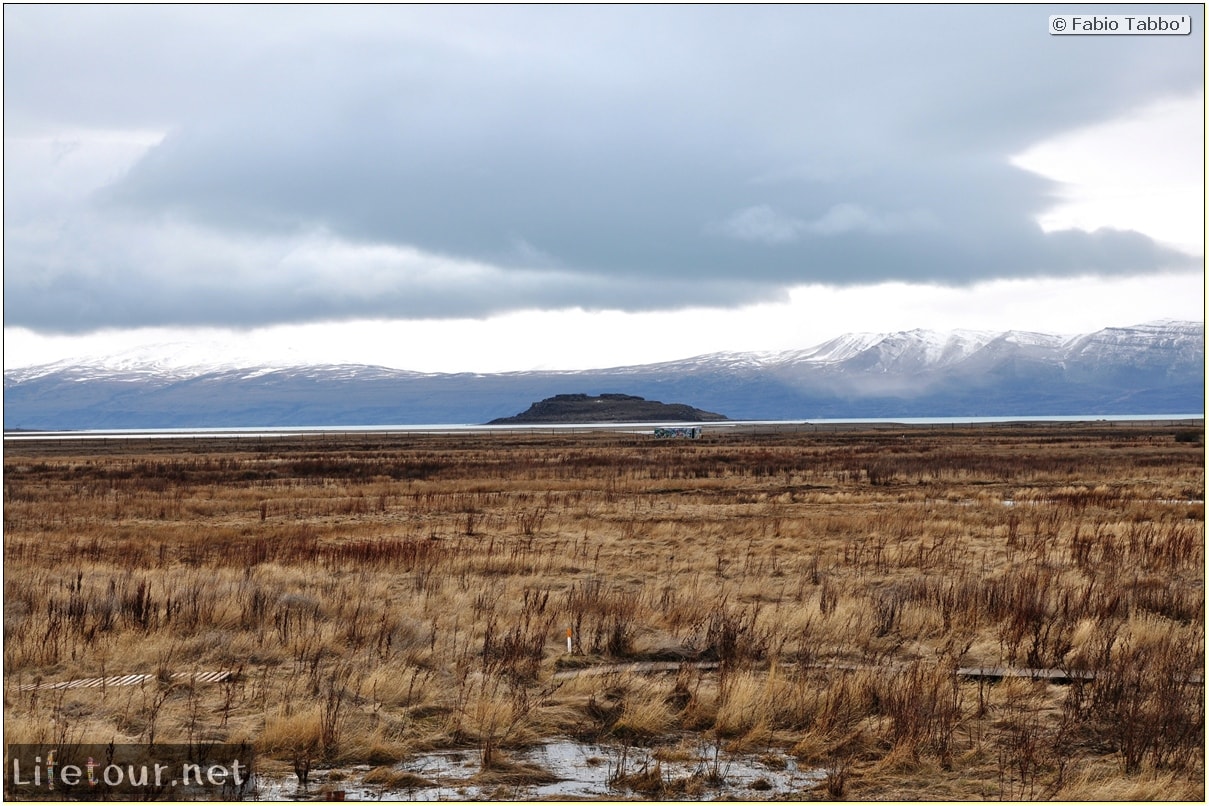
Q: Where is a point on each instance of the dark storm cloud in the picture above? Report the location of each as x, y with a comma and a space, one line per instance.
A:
324, 162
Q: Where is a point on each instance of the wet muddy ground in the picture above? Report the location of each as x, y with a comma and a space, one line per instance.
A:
572, 771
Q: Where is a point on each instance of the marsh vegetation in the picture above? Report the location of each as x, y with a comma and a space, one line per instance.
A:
808, 597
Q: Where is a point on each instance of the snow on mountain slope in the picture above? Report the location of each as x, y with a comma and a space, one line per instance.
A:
168, 360
913, 350
147, 364
927, 350
1185, 339
1156, 367
838, 349
908, 351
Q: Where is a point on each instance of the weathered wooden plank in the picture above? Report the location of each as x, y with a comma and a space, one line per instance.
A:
992, 673
126, 680
1050, 675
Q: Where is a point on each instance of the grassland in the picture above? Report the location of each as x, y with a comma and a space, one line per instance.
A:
816, 593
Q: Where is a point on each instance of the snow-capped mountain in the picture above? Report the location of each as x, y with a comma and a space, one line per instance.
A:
887, 352
1153, 368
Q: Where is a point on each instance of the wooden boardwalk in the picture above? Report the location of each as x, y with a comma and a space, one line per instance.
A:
989, 673
1064, 676
1051, 675
128, 680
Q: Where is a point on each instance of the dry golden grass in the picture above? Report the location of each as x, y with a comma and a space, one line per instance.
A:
380, 596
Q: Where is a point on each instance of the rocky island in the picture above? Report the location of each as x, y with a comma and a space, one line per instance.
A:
607, 408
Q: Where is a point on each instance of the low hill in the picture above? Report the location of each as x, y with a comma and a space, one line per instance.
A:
607, 408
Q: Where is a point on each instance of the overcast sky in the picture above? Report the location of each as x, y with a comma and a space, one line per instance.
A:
484, 188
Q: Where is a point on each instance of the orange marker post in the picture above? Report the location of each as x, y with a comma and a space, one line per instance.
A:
568, 640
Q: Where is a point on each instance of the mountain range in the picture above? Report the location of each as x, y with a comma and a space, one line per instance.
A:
1152, 368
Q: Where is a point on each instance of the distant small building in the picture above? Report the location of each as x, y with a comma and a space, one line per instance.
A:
678, 432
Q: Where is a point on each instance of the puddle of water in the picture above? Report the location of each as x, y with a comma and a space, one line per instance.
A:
583, 771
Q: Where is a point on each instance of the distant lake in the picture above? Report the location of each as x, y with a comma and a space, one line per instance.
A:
709, 427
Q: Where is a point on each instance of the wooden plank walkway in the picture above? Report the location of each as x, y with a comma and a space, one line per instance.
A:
972, 672
1051, 675
128, 680
991, 673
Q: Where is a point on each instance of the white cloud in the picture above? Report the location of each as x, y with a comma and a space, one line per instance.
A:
43, 165
1144, 171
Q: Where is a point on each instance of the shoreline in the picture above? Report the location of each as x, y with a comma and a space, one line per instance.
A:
710, 429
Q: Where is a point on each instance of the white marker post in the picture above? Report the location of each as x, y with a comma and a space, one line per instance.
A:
568, 640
